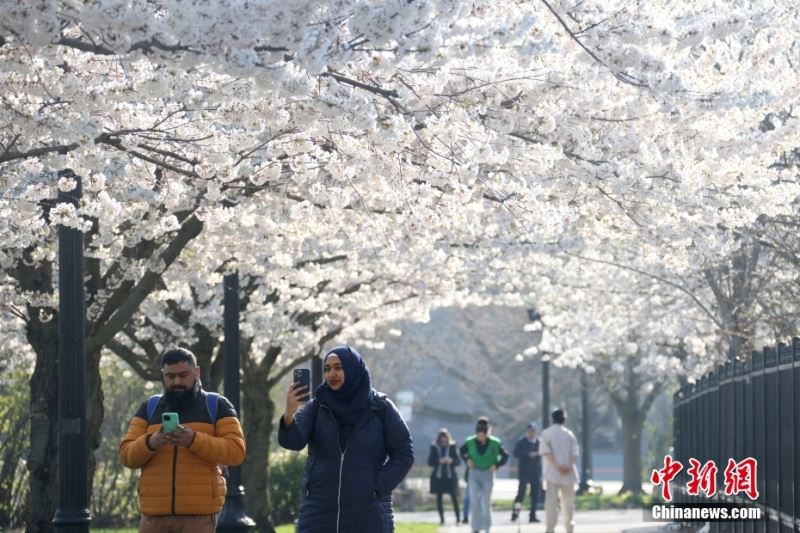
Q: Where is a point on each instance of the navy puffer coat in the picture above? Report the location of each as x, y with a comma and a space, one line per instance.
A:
349, 490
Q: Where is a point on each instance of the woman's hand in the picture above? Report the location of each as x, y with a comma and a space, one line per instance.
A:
295, 396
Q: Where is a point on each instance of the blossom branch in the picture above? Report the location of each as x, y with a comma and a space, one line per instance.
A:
621, 76
190, 229
662, 279
386, 93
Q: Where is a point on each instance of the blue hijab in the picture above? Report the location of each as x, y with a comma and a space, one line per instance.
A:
351, 403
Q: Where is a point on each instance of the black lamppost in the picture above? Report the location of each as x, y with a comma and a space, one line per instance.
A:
72, 513
586, 451
233, 517
534, 316
545, 392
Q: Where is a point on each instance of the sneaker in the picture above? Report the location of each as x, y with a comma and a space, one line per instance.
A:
533, 519
514, 516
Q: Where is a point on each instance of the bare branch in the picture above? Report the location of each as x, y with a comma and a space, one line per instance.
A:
9, 155
662, 279
386, 93
139, 364
190, 229
145, 46
619, 204
621, 76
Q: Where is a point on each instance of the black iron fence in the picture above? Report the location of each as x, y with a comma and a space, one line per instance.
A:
746, 409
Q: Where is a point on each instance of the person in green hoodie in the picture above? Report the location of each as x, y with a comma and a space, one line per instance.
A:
484, 453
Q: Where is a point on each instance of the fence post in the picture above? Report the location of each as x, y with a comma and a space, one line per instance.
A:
715, 418
739, 426
696, 431
725, 442
771, 410
749, 429
795, 373
677, 434
786, 439
759, 426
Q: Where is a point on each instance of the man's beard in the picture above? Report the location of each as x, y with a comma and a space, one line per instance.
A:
181, 398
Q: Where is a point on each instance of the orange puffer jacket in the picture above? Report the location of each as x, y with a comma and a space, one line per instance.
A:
184, 481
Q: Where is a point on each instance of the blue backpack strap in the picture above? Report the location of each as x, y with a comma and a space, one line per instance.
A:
212, 398
152, 401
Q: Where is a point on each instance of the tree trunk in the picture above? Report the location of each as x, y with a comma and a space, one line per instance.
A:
204, 349
95, 412
632, 413
43, 459
257, 413
632, 425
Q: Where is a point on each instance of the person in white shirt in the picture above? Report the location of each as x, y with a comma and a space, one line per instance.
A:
559, 448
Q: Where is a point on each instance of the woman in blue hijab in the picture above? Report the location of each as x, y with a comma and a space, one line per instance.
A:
359, 449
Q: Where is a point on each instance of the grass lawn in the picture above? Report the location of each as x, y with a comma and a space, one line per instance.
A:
289, 528
399, 528
589, 502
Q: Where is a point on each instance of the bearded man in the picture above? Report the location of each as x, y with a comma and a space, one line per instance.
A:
182, 487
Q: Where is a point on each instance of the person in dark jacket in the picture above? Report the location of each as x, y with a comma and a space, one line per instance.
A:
530, 471
444, 480
484, 454
359, 449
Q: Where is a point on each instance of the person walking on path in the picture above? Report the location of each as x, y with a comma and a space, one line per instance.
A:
484, 454
529, 471
559, 448
359, 449
182, 487
467, 501
443, 457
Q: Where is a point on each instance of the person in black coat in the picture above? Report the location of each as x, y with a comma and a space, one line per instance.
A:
444, 480
359, 449
530, 471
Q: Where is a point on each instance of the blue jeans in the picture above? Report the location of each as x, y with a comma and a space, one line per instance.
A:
466, 502
480, 488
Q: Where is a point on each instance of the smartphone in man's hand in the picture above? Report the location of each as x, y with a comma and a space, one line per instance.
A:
303, 377
169, 422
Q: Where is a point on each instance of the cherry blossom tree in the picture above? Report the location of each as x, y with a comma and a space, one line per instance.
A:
478, 141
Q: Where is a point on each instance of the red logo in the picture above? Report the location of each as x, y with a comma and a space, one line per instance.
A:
739, 477
665, 475
704, 478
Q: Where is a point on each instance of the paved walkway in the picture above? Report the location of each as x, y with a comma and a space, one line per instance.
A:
612, 521
506, 488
